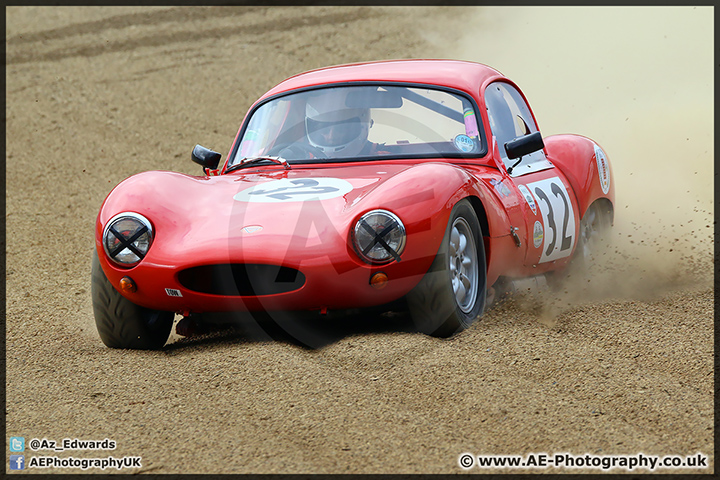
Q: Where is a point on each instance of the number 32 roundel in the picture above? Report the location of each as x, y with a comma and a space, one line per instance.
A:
557, 216
298, 190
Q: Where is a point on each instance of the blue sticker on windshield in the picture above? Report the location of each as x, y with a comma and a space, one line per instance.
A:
464, 143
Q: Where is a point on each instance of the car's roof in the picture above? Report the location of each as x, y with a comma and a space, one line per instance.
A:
462, 75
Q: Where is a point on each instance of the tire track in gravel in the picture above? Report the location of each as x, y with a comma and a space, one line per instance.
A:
117, 22
18, 54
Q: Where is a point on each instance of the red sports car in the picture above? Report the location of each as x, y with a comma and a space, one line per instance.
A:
354, 186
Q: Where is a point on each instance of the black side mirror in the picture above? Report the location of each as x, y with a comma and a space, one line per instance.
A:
524, 145
205, 157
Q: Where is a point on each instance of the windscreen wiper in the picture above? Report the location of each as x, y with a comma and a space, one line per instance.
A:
249, 161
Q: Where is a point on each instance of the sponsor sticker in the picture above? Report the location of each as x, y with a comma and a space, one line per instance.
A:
500, 187
173, 292
471, 124
464, 143
603, 169
537, 234
528, 197
296, 190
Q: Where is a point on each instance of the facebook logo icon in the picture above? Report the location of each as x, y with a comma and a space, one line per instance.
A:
17, 444
17, 462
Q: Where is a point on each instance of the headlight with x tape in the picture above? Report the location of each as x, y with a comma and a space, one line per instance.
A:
127, 238
379, 237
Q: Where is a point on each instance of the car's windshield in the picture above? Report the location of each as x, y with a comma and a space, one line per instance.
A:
360, 122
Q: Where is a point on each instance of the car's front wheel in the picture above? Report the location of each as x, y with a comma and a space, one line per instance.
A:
123, 324
452, 294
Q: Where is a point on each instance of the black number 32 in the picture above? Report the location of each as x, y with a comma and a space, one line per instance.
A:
566, 240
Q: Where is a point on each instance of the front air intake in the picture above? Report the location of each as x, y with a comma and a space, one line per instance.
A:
239, 279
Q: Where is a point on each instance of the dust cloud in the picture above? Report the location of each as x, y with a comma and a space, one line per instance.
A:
639, 81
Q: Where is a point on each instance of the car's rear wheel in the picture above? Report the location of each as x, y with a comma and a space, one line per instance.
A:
452, 294
594, 231
123, 324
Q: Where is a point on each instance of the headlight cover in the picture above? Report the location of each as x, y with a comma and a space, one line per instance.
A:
127, 238
379, 237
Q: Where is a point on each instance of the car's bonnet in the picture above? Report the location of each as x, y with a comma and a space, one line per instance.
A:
269, 208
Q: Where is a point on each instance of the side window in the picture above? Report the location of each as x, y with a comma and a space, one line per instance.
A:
509, 118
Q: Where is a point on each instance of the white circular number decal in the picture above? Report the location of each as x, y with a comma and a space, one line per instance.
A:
295, 190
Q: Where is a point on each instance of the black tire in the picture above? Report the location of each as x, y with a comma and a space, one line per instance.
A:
121, 323
594, 232
436, 306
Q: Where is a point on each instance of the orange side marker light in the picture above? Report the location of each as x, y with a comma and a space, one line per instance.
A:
379, 280
127, 285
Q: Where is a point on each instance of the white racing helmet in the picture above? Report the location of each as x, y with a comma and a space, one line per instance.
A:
334, 128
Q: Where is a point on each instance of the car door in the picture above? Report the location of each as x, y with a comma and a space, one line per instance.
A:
549, 210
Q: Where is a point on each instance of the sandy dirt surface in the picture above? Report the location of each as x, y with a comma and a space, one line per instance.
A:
618, 363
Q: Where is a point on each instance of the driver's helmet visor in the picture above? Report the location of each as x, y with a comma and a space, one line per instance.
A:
334, 134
